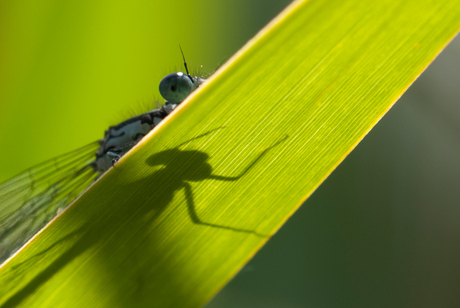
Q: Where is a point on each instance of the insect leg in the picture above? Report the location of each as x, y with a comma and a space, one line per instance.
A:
117, 152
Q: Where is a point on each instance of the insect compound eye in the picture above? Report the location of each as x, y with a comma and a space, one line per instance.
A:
176, 87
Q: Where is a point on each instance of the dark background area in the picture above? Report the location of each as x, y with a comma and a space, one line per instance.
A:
383, 230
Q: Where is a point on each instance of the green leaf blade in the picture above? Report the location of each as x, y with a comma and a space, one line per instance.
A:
243, 153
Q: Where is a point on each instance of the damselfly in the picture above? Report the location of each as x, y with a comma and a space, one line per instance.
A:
31, 199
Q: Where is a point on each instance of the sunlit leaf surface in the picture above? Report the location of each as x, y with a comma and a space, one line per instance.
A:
177, 217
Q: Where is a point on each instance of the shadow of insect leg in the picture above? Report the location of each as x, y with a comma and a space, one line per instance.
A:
196, 220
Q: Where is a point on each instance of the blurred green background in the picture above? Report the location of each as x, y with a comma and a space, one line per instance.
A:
382, 231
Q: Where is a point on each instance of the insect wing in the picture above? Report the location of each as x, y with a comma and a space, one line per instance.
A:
31, 199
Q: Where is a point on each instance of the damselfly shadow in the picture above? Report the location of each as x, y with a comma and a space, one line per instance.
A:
180, 167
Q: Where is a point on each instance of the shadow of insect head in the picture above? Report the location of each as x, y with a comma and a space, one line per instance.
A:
192, 166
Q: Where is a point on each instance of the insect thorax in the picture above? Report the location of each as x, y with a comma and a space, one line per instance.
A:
120, 138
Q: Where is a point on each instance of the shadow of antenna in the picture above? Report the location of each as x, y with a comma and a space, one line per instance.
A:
200, 136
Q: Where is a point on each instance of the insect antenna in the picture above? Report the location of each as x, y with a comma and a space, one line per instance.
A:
185, 63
